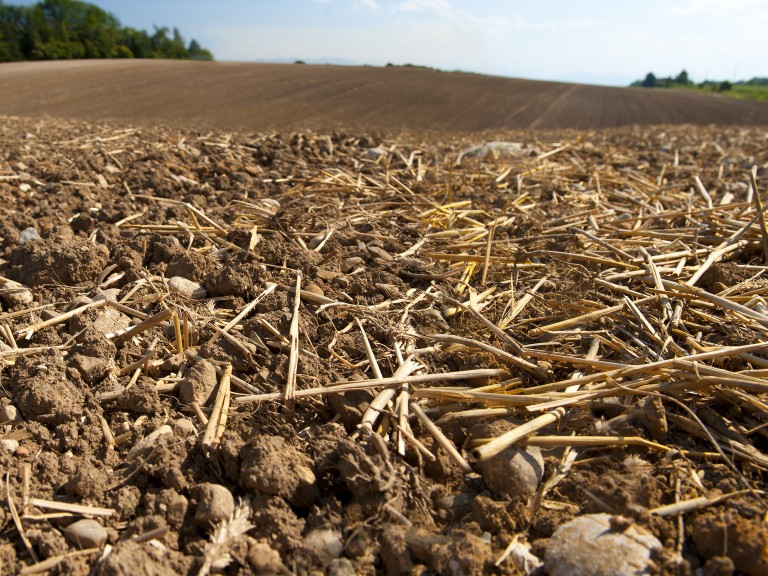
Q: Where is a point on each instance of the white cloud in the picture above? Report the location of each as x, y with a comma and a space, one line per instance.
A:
489, 23
715, 7
440, 7
372, 4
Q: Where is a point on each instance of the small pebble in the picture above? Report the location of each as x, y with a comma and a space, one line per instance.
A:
10, 445
315, 289
21, 452
14, 294
513, 471
214, 504
596, 545
264, 560
108, 294
376, 153
86, 533
91, 368
110, 321
341, 567
186, 288
177, 509
199, 383
183, 428
324, 543
8, 413
28, 234
380, 253
351, 264
146, 443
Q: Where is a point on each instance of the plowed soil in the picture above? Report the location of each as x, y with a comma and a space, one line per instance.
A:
366, 351
259, 97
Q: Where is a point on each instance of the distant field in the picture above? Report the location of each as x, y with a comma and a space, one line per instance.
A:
747, 92
283, 96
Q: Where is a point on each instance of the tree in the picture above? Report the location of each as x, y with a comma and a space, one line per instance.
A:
62, 29
650, 81
197, 52
724, 86
682, 78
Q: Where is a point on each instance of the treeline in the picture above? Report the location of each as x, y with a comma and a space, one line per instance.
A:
683, 81
68, 29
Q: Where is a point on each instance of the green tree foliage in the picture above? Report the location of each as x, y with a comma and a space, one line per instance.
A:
650, 81
67, 29
724, 86
682, 78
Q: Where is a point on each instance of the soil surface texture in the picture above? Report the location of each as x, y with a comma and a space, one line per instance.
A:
265, 97
361, 352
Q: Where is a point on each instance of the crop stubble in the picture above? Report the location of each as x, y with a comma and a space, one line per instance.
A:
380, 319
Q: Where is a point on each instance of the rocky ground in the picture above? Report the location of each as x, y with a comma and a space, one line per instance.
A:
361, 354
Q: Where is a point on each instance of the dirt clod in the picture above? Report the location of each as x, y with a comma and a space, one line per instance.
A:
735, 537
43, 391
271, 466
50, 262
577, 262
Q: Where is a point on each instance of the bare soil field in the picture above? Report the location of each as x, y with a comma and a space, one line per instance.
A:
260, 97
367, 350
247, 353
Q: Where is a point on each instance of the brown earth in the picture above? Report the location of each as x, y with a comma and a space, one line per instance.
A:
259, 97
480, 280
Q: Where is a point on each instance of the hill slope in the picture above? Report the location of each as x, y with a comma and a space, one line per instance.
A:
279, 96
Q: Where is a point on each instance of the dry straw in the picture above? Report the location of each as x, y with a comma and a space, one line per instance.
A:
558, 289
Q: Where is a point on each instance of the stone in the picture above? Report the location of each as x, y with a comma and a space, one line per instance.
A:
498, 149
264, 560
109, 294
351, 264
199, 383
214, 504
177, 509
8, 413
91, 368
28, 234
145, 444
15, 294
513, 470
380, 253
324, 544
599, 545
9, 444
186, 288
184, 427
86, 533
376, 153
110, 321
314, 289
340, 567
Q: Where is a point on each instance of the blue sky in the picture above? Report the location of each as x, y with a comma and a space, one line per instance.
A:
593, 41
